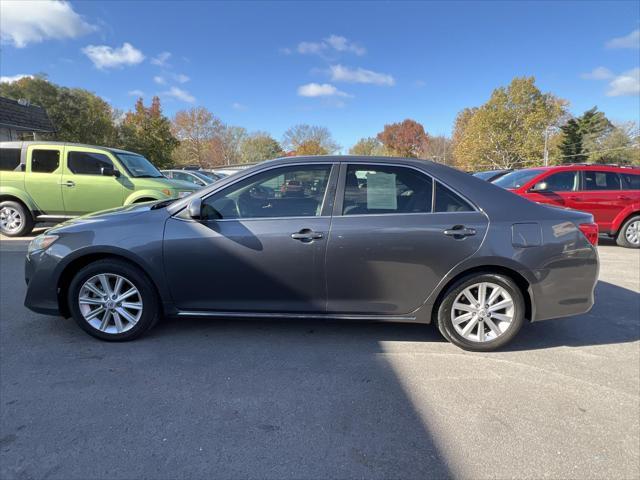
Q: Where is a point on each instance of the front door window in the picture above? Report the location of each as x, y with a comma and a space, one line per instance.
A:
296, 191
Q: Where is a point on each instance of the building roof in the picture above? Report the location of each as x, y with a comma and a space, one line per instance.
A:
24, 117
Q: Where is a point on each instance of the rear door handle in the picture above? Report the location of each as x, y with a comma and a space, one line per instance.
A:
307, 235
460, 231
68, 183
624, 197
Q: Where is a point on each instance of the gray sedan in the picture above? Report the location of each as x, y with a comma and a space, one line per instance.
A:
349, 238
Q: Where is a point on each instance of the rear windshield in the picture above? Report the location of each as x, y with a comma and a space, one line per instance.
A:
518, 178
485, 175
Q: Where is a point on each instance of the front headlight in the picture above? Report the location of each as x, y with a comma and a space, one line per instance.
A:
41, 242
183, 194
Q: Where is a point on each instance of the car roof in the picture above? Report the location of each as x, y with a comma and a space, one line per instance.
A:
28, 143
587, 166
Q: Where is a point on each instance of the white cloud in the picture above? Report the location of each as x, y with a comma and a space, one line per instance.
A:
159, 80
628, 41
341, 44
161, 59
14, 78
599, 73
335, 43
136, 93
311, 47
320, 90
23, 22
360, 75
104, 56
181, 78
238, 106
626, 84
179, 94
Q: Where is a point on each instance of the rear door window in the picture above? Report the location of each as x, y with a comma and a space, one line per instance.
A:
9, 159
88, 163
595, 180
380, 189
630, 181
45, 161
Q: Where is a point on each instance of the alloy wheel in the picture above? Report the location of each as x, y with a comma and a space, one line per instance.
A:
632, 233
110, 303
482, 312
10, 220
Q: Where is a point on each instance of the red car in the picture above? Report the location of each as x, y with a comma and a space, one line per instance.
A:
610, 193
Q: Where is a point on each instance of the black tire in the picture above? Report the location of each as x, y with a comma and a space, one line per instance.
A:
621, 238
27, 223
445, 324
151, 311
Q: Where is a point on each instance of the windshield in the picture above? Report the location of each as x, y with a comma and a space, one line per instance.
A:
204, 176
138, 166
518, 178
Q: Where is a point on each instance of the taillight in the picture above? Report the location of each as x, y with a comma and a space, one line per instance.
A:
590, 231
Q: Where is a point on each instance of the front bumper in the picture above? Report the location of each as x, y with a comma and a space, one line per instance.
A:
42, 287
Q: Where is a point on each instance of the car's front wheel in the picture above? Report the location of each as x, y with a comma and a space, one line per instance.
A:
113, 300
629, 234
481, 312
15, 219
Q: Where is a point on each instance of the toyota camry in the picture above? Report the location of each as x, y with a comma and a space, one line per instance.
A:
334, 237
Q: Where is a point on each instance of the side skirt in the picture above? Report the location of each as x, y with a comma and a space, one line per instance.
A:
310, 316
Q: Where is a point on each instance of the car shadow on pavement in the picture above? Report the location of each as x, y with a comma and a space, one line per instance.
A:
613, 319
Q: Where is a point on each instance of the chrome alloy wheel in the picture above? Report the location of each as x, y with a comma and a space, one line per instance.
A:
632, 233
482, 312
10, 220
110, 303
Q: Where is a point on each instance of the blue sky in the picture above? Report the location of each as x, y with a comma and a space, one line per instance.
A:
351, 67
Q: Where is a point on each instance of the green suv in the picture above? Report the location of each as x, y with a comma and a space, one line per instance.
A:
52, 182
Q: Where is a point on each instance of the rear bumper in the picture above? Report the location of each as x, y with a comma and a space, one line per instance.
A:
566, 286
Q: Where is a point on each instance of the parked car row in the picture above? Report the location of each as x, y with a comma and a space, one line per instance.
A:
200, 178
610, 193
53, 182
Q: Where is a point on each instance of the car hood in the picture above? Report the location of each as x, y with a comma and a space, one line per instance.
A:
161, 183
120, 213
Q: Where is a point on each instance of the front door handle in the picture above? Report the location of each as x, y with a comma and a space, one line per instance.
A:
460, 231
68, 183
307, 235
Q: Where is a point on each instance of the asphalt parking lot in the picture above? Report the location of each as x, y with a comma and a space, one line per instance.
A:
310, 399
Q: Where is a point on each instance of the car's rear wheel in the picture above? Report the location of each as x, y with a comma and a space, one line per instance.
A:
481, 312
113, 300
629, 234
15, 219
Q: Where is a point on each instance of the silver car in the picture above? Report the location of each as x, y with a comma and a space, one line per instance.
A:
336, 237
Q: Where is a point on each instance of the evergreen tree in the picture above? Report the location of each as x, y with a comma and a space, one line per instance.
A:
571, 149
148, 132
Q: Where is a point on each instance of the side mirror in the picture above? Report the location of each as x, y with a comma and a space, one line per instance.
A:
540, 187
110, 172
194, 208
